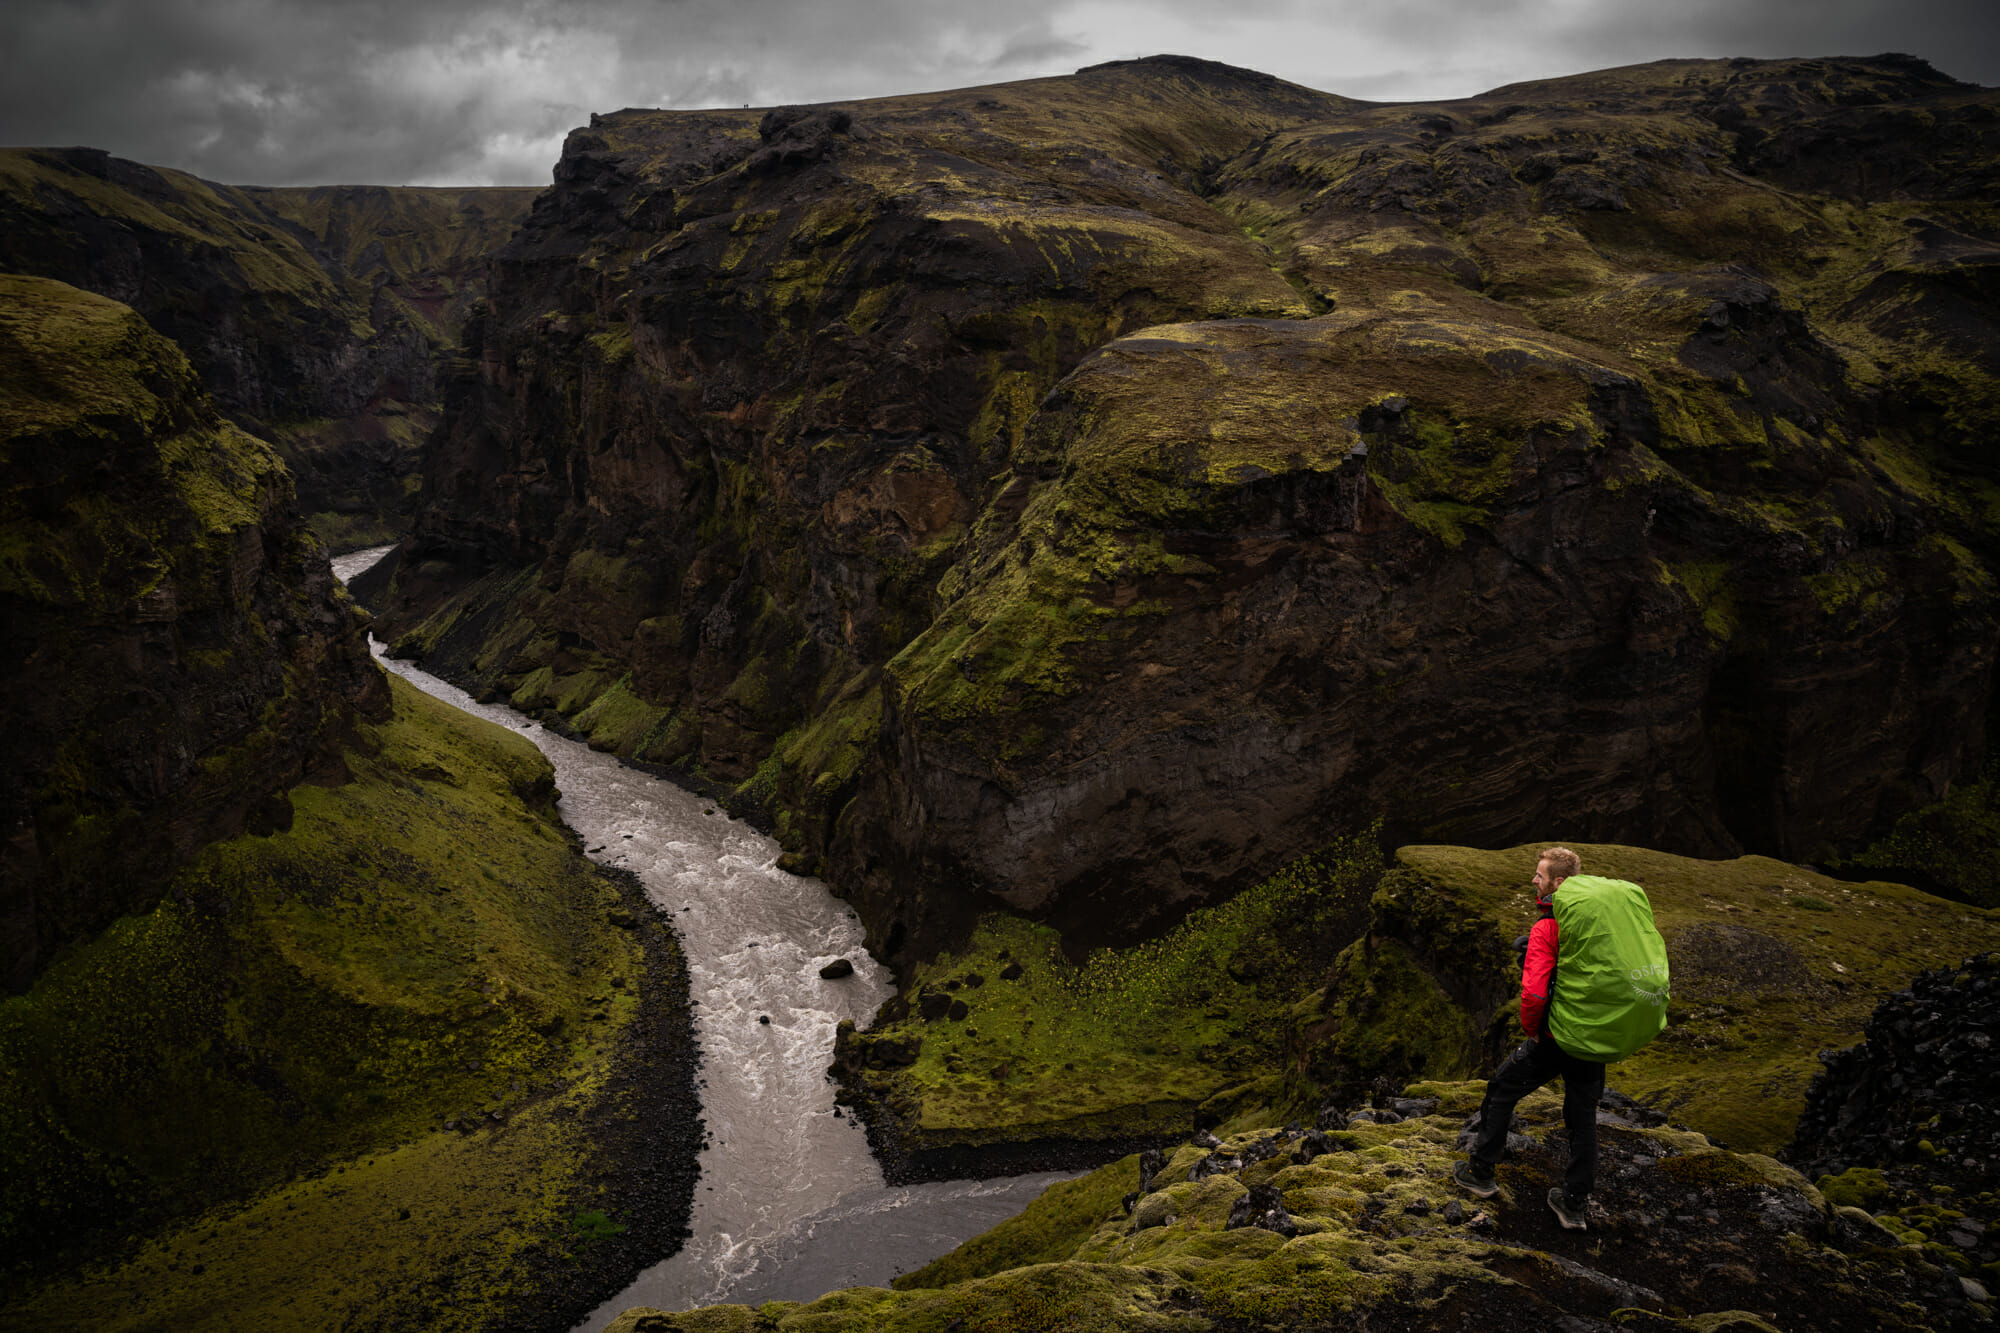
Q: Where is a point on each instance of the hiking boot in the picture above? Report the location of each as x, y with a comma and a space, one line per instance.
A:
1476, 1178
1568, 1211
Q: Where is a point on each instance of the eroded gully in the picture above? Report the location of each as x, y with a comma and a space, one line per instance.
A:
790, 1203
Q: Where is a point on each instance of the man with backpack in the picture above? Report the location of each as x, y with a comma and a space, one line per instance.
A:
1593, 990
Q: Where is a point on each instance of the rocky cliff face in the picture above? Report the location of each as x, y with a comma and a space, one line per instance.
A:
277, 934
176, 653
315, 316
1087, 494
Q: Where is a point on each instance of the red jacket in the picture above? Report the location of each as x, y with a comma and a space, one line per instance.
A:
1537, 971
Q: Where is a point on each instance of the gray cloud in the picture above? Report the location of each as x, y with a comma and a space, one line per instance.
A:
292, 91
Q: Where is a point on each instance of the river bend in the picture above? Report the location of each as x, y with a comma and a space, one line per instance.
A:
790, 1203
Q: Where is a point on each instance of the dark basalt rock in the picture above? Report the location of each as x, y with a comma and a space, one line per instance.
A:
835, 970
1095, 569
177, 653
1262, 1207
1919, 1090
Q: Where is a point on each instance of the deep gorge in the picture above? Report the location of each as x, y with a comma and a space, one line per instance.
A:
1162, 545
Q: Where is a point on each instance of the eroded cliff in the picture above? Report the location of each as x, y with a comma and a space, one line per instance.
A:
1086, 494
177, 651
316, 316
313, 1001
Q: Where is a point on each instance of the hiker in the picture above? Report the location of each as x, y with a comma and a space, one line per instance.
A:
1610, 1000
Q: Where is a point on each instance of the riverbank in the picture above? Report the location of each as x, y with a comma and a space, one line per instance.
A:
477, 1048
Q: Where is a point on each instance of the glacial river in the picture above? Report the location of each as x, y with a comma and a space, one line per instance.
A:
790, 1203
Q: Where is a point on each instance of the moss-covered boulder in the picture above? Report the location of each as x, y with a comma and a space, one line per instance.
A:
317, 316
1076, 495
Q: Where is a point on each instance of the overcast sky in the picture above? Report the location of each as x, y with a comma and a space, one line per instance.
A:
468, 92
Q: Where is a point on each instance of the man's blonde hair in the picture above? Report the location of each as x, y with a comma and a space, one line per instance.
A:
1562, 861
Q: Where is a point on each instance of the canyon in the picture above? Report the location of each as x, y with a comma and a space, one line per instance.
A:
317, 317
1164, 545
1083, 496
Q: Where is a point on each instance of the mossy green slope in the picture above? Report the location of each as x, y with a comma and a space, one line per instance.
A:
1013, 1041
347, 1067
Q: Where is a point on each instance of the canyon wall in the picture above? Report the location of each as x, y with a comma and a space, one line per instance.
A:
268, 919
1085, 495
315, 316
177, 653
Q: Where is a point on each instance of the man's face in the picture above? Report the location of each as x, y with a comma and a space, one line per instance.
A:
1545, 883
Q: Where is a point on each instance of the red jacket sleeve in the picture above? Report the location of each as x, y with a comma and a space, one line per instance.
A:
1537, 970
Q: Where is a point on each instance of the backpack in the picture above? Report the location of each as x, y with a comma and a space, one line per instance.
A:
1610, 991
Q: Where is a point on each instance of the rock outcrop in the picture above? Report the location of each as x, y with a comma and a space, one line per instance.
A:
1364, 1227
1082, 494
177, 653
1340, 976
317, 317
1919, 1089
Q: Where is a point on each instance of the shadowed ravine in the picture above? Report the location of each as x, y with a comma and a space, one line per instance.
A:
783, 1180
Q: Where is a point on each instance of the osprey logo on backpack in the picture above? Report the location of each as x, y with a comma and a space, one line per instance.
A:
1611, 984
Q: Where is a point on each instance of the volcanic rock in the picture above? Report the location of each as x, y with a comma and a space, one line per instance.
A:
1920, 1089
1093, 556
177, 654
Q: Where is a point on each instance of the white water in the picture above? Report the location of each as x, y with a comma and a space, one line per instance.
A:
790, 1203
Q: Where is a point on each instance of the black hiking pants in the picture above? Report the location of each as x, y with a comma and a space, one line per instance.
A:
1527, 1069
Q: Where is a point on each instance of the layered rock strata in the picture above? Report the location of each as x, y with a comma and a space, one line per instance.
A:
1083, 495
176, 651
317, 317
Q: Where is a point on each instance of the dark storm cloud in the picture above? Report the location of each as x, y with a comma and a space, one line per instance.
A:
463, 90
256, 91
268, 90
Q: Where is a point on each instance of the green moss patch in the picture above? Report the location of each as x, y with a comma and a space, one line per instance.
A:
374, 1044
1047, 1230
1130, 1041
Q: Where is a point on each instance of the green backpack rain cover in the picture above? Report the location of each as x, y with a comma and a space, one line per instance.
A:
1610, 993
